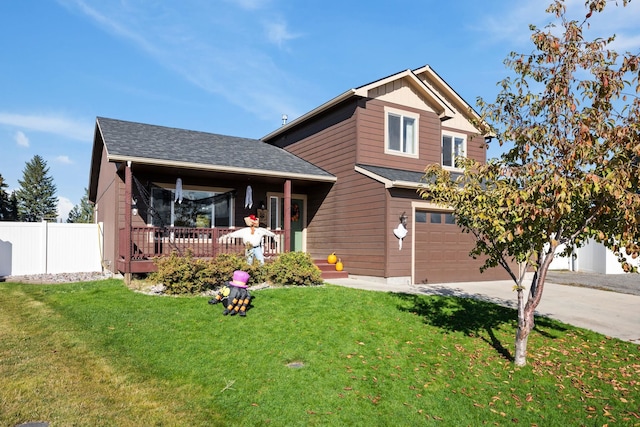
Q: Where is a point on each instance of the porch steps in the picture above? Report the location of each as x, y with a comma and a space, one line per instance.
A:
329, 270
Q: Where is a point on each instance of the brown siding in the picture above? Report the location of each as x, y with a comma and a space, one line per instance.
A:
106, 201
399, 260
350, 220
371, 138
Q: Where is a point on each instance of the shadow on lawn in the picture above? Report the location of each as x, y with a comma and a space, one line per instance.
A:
470, 315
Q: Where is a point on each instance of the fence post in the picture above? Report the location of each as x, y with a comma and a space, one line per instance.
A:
45, 245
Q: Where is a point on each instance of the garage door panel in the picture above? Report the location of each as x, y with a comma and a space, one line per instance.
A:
442, 254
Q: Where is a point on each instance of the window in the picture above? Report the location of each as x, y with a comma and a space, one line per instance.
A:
421, 216
199, 209
401, 132
453, 146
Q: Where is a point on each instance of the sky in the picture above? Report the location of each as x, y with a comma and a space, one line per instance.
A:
234, 67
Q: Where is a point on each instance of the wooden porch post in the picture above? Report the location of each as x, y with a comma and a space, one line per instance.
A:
127, 222
287, 215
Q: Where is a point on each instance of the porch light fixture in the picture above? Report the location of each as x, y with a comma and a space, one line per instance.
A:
134, 206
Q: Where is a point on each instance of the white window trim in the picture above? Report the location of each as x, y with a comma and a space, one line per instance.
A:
453, 135
416, 142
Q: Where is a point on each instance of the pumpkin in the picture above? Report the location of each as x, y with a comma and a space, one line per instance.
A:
339, 265
331, 259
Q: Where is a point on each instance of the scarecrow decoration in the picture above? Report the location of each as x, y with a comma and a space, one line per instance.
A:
252, 237
401, 230
235, 297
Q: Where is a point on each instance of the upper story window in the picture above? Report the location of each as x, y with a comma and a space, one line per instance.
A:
453, 146
401, 132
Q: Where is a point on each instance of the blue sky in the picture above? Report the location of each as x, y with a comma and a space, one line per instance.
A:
234, 66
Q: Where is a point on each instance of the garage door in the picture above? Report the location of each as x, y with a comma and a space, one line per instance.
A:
442, 252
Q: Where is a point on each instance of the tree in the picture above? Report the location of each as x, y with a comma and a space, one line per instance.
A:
571, 115
83, 212
4, 200
37, 193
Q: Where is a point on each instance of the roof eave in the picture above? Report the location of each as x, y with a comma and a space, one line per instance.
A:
387, 182
327, 105
221, 168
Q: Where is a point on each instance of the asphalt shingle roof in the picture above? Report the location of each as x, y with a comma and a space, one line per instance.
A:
125, 139
394, 174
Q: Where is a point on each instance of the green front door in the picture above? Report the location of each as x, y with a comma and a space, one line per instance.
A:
297, 223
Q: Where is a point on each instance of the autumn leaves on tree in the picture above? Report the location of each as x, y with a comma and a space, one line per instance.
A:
570, 117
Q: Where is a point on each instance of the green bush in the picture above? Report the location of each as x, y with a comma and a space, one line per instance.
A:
180, 274
189, 275
294, 268
223, 266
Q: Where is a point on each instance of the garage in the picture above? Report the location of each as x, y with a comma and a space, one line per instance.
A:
442, 251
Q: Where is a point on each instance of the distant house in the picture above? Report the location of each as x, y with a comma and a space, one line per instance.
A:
340, 178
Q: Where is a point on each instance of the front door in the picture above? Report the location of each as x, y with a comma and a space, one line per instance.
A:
298, 218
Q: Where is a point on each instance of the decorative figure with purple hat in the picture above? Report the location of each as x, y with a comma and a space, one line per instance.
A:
252, 238
238, 298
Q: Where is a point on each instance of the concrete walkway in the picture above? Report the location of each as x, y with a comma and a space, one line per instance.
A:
608, 312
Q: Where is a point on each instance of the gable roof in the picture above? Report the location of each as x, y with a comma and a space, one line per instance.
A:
165, 146
435, 96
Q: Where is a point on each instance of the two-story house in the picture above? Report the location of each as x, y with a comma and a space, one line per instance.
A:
340, 178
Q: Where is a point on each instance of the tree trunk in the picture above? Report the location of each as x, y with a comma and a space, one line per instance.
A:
526, 309
526, 323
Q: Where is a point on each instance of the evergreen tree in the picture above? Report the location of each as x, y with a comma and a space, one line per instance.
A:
4, 200
83, 212
37, 193
12, 208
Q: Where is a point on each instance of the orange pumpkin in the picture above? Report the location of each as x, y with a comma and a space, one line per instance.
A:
339, 265
331, 259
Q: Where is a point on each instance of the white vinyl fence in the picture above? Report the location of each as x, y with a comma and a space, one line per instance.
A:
43, 247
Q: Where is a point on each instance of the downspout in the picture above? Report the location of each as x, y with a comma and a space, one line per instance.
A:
127, 221
287, 215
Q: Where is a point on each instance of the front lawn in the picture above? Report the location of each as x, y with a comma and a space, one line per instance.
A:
100, 354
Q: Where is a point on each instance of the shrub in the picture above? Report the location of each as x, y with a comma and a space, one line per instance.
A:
180, 274
294, 268
223, 266
189, 275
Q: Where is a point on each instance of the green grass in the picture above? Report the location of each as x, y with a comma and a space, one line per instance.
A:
101, 354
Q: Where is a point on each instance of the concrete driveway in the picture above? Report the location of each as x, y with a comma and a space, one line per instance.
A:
585, 303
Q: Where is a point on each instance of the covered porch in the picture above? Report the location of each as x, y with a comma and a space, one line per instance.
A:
147, 243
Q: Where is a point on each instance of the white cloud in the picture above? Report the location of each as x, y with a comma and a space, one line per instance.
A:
21, 139
64, 160
278, 34
510, 25
243, 73
64, 207
54, 124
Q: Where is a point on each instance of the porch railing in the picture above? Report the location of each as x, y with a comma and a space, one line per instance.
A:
150, 242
